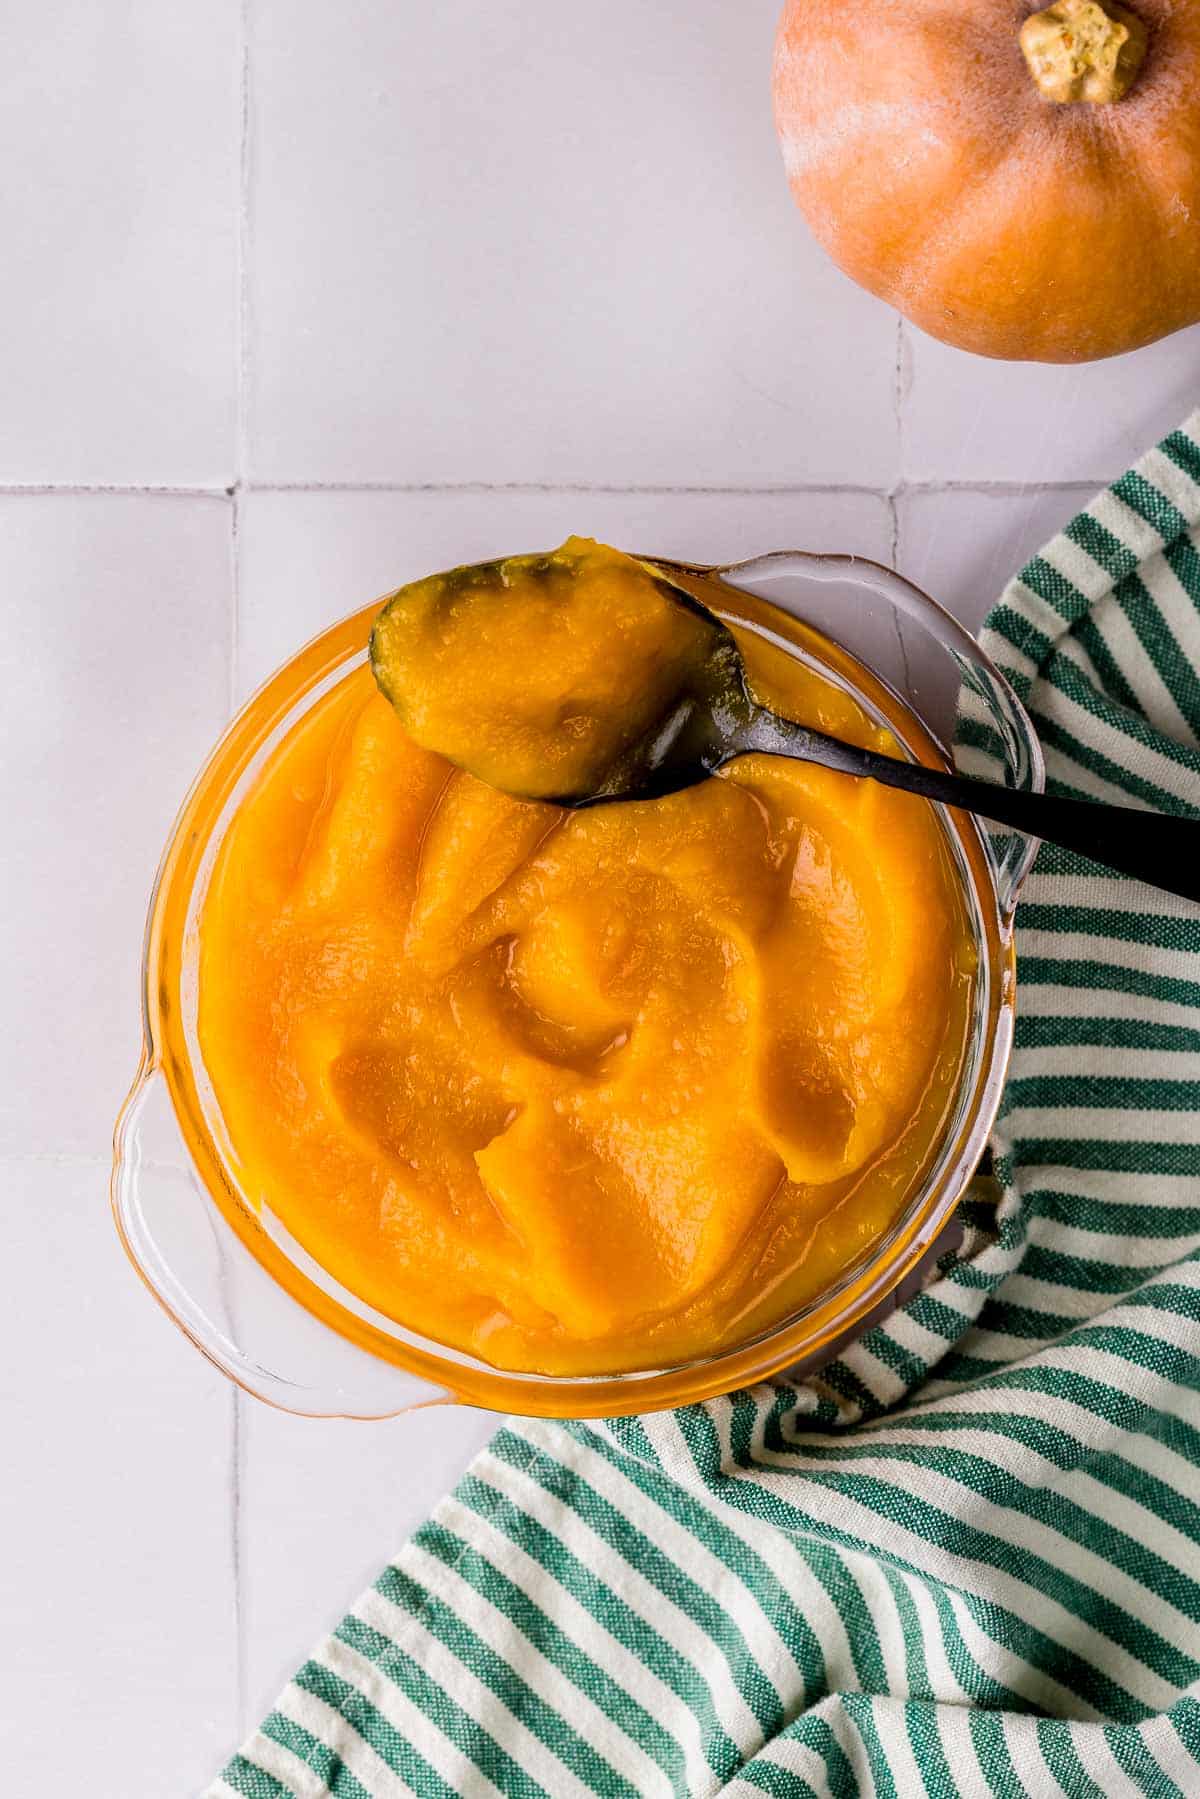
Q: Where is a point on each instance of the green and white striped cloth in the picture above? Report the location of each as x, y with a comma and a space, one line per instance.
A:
965, 1559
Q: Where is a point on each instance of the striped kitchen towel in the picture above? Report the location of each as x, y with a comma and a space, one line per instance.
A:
965, 1559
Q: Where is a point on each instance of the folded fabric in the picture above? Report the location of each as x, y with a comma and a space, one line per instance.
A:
965, 1558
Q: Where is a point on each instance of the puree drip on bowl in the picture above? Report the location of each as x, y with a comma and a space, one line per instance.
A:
582, 1092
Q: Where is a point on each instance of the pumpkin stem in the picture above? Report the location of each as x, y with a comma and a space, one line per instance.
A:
1084, 50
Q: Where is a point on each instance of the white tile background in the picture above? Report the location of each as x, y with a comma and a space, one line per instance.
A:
299, 301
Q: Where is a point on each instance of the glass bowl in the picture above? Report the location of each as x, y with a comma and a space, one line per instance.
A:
247, 1294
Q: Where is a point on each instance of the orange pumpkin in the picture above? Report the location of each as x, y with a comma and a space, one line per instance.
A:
1021, 187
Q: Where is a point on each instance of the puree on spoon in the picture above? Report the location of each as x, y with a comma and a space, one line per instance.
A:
579, 1092
538, 673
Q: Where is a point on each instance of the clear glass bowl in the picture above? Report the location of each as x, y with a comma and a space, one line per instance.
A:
247, 1294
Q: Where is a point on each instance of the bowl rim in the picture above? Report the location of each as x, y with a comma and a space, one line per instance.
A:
827, 1321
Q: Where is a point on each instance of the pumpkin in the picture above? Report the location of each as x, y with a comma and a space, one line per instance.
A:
1024, 187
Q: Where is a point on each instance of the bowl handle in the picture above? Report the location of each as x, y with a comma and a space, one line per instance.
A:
208, 1282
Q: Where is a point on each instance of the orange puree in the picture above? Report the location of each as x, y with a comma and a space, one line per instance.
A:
538, 672
581, 1092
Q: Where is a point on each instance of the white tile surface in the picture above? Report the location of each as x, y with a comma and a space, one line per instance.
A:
962, 545
310, 558
114, 660
118, 216
969, 419
543, 242
116, 1580
492, 252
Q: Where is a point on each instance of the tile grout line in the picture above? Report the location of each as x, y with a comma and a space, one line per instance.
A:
244, 222
25, 490
782, 488
55, 1158
239, 488
241, 346
899, 397
238, 1419
235, 595
921, 485
237, 1470
893, 512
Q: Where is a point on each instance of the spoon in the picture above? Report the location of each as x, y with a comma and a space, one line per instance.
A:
708, 717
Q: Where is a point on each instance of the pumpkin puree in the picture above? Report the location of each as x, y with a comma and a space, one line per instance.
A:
606, 653
581, 1092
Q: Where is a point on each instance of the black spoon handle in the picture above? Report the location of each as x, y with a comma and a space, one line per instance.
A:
1151, 846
